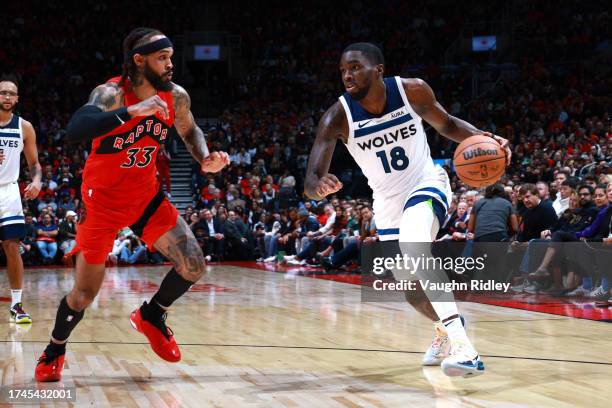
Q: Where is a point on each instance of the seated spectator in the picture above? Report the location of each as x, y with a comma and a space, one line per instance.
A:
67, 233
492, 218
134, 252
46, 234
236, 238
283, 243
121, 241
351, 251
214, 237
455, 228
47, 201
27, 244
565, 191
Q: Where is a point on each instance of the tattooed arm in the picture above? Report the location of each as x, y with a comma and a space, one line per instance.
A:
31, 155
192, 135
105, 111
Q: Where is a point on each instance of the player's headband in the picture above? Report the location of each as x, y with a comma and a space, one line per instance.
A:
150, 48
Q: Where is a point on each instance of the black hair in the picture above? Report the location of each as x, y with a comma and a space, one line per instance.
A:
591, 189
371, 51
9, 78
137, 37
495, 190
570, 182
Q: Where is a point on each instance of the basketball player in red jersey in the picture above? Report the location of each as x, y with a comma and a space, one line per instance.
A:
127, 119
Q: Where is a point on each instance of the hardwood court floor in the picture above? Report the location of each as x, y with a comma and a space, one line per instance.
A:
252, 338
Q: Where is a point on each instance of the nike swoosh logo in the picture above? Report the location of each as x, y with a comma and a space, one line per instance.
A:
363, 124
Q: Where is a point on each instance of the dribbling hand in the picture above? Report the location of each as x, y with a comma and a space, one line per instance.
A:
505, 144
150, 106
328, 184
214, 162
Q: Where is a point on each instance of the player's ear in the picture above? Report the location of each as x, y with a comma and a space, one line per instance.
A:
139, 60
381, 69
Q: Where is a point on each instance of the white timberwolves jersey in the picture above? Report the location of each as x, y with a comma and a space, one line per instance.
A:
392, 151
11, 145
392, 148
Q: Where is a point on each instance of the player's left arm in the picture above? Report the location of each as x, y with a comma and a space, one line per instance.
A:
423, 101
193, 136
31, 154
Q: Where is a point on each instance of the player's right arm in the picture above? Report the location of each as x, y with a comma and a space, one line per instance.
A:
319, 182
105, 111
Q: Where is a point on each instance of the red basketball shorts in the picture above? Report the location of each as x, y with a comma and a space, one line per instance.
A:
105, 215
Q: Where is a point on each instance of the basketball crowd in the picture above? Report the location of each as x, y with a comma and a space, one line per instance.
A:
552, 105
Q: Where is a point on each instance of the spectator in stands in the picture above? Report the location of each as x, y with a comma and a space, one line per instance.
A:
579, 216
539, 216
455, 227
47, 201
27, 244
543, 190
237, 238
566, 189
367, 236
67, 233
493, 218
46, 234
214, 237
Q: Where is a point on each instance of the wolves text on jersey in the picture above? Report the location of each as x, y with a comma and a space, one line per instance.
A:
389, 138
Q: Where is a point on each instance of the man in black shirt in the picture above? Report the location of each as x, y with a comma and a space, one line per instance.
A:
540, 215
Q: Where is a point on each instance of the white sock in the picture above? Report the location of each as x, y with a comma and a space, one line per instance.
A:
457, 335
15, 296
454, 328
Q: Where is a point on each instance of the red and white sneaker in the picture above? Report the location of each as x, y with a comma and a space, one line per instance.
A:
160, 337
49, 368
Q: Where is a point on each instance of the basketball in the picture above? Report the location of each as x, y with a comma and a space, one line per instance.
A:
479, 161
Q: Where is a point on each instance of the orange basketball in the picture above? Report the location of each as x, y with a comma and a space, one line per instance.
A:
479, 161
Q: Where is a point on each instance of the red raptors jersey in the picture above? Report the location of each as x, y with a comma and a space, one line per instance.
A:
121, 164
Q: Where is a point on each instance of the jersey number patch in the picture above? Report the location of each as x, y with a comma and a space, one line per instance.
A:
133, 160
399, 160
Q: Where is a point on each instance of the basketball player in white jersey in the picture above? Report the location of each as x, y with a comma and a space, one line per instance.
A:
16, 135
380, 122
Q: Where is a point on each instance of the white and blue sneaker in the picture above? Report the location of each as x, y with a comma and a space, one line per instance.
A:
440, 346
461, 362
18, 315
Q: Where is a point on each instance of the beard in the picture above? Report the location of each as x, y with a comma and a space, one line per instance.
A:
3, 108
157, 81
361, 92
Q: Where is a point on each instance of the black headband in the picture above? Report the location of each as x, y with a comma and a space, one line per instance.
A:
150, 48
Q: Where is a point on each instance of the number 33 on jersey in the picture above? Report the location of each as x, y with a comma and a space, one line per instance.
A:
125, 157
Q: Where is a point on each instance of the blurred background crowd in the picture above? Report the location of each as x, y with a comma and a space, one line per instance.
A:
546, 88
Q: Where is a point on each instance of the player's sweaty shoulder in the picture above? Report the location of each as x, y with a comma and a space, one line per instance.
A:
334, 124
107, 96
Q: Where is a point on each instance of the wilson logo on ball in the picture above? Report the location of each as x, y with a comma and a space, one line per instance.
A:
479, 152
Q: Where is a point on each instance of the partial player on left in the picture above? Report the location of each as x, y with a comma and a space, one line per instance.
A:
16, 135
